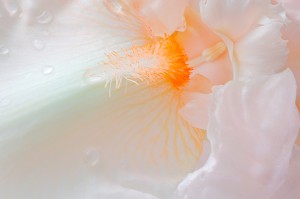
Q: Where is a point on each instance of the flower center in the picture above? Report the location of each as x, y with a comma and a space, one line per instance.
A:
160, 59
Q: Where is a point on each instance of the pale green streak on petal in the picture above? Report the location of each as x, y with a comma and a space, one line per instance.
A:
134, 136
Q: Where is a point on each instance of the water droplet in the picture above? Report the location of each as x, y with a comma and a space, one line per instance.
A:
91, 78
11, 7
4, 102
47, 69
38, 44
44, 18
91, 156
4, 50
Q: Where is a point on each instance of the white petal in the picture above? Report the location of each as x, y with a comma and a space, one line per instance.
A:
291, 33
45, 60
135, 137
233, 18
61, 137
262, 51
290, 188
252, 129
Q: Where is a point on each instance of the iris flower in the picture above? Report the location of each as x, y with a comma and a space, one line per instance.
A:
109, 99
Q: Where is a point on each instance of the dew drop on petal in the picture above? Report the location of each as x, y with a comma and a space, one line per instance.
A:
11, 7
91, 156
47, 70
38, 44
4, 50
92, 80
89, 78
44, 18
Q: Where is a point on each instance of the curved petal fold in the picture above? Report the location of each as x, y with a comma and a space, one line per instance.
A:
196, 110
233, 18
196, 101
252, 131
262, 51
163, 17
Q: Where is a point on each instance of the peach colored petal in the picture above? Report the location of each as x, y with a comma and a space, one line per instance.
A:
195, 110
232, 18
163, 17
261, 51
218, 71
196, 101
199, 83
197, 36
243, 25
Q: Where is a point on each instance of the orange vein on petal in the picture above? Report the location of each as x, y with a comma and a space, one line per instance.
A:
160, 59
161, 62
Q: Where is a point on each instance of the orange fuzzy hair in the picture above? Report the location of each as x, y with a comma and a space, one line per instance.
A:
160, 59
